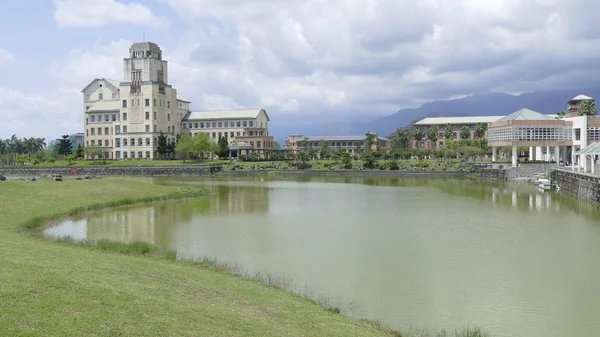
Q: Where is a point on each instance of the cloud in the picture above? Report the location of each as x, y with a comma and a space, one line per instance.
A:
57, 117
97, 13
83, 64
5, 57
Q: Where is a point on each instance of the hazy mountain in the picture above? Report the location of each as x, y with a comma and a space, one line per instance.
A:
491, 104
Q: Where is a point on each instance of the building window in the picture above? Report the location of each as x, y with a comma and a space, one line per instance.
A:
124, 128
87, 133
237, 134
93, 118
201, 125
147, 102
147, 115
99, 142
258, 144
140, 154
124, 155
147, 128
147, 154
154, 102
106, 131
132, 142
214, 135
99, 131
100, 96
154, 128
147, 141
245, 124
124, 116
106, 118
138, 102
168, 105
231, 134
139, 141
154, 113
93, 143
251, 123
220, 124
132, 154
124, 141
169, 129
577, 134
344, 144
168, 117
226, 124
117, 142
118, 155
114, 118
239, 124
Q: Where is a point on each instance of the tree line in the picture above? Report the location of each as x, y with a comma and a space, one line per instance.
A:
34, 150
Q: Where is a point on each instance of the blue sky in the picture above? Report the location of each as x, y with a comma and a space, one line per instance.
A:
305, 61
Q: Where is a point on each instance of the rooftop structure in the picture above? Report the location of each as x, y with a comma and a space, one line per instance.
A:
575, 102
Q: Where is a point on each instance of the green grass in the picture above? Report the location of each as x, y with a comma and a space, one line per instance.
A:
68, 288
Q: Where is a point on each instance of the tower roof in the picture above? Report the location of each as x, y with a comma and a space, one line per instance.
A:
525, 115
581, 98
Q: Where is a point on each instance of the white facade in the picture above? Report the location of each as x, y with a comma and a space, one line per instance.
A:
125, 118
230, 124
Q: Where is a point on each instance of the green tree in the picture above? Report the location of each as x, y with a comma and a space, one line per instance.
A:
71, 159
480, 130
400, 140
161, 146
465, 133
64, 146
587, 108
79, 152
448, 132
432, 135
324, 149
276, 145
223, 147
184, 147
95, 152
195, 146
346, 161
38, 157
417, 134
21, 159
369, 141
561, 114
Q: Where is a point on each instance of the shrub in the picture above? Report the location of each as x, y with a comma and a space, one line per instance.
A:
393, 165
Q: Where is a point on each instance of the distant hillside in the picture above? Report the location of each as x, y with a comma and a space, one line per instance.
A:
498, 104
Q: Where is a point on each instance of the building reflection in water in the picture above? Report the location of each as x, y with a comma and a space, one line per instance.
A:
156, 223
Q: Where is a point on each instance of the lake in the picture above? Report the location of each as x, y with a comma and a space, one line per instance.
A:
410, 252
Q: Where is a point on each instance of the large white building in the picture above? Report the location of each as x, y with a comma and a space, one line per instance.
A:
125, 118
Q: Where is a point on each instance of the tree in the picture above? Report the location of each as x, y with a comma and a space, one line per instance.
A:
346, 161
417, 134
71, 159
94, 151
184, 146
587, 108
223, 147
561, 114
276, 145
369, 141
400, 140
79, 152
64, 146
38, 158
480, 130
432, 135
171, 149
21, 159
465, 133
161, 146
324, 149
195, 146
448, 132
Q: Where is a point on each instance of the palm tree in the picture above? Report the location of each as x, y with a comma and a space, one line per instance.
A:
448, 132
465, 133
480, 130
417, 134
432, 135
587, 108
561, 114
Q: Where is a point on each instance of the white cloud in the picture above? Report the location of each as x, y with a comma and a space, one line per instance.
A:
96, 13
5, 57
83, 64
36, 115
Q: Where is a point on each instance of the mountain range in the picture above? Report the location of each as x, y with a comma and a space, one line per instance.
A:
490, 104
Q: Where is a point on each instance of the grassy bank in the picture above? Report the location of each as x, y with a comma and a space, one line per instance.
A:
108, 289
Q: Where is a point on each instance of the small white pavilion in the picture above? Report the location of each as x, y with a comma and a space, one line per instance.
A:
528, 128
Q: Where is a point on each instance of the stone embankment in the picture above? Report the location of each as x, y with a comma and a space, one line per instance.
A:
357, 173
174, 170
583, 185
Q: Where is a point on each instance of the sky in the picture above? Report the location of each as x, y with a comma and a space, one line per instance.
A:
305, 62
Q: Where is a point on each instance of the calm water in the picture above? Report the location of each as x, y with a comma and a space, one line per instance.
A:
420, 253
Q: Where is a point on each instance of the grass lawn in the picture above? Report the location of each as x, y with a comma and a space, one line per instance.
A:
61, 289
